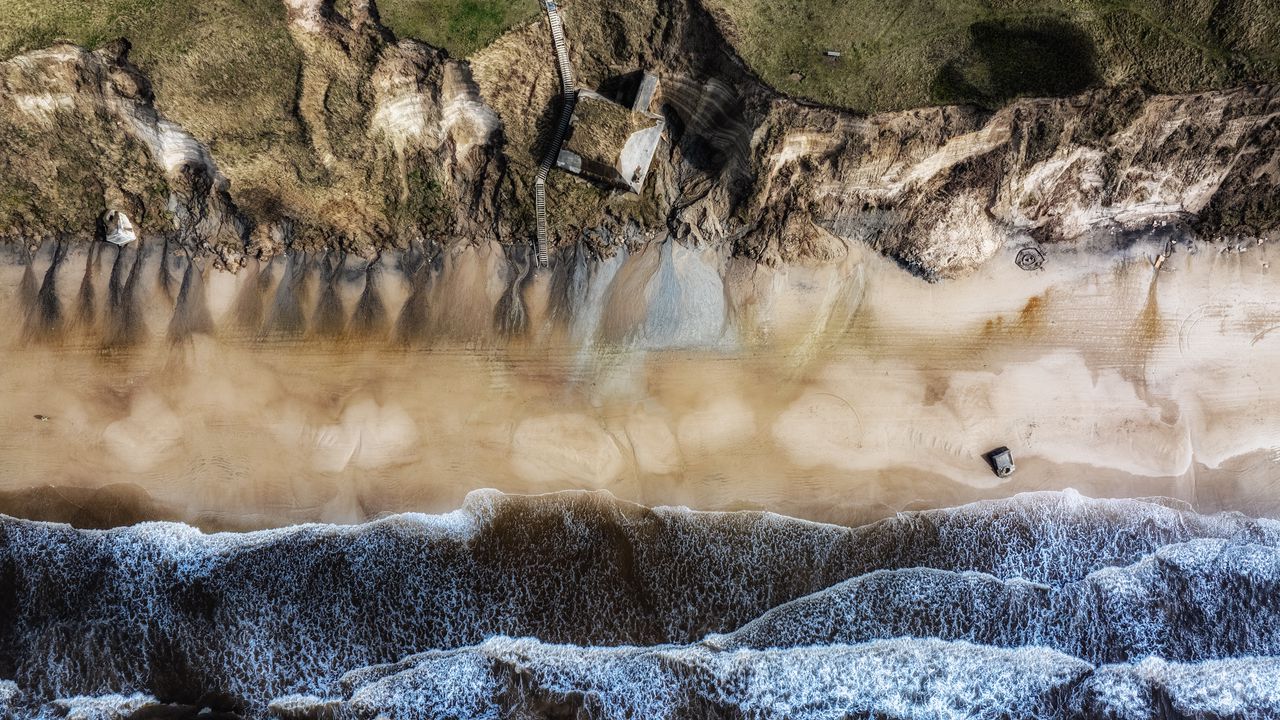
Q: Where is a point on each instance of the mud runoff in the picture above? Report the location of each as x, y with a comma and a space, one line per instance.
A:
141, 384
577, 605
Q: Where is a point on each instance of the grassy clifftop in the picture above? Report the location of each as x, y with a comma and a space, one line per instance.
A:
224, 69
459, 26
227, 70
910, 53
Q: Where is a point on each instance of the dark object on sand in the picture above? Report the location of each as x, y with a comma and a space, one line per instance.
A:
1001, 461
1030, 258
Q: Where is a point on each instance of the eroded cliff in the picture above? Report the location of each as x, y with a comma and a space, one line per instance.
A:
398, 145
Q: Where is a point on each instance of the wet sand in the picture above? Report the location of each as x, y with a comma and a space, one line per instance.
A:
322, 389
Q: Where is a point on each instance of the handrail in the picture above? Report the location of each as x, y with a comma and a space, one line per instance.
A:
569, 98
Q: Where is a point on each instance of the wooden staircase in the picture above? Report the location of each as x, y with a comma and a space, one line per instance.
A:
569, 98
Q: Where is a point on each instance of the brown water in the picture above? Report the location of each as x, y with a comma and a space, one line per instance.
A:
308, 391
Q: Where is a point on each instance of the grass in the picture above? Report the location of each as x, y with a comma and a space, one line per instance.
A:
226, 70
1007, 59
44, 183
459, 26
917, 52
222, 68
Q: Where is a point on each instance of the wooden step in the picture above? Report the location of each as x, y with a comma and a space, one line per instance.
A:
569, 94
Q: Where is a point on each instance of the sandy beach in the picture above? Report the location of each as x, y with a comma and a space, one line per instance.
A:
840, 392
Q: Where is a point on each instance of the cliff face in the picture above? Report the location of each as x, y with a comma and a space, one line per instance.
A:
405, 146
79, 133
396, 148
942, 189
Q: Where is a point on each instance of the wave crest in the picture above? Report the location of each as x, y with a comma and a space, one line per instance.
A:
232, 621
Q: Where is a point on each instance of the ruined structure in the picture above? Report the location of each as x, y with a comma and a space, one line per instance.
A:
595, 137
610, 143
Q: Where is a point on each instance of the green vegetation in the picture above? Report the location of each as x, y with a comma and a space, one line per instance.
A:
1034, 56
459, 26
227, 70
909, 53
224, 69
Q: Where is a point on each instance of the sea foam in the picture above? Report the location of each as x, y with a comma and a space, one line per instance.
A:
234, 621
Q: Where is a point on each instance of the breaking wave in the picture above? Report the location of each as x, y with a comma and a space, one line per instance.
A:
579, 605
